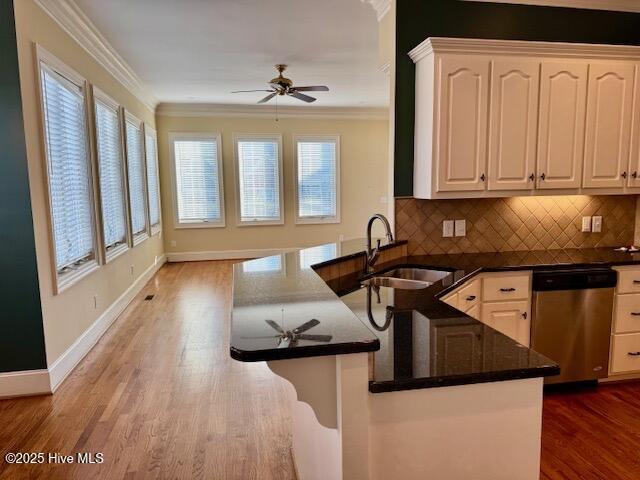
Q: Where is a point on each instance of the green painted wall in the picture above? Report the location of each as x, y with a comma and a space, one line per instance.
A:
21, 334
417, 20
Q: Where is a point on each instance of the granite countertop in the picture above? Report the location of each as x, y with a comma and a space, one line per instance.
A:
406, 329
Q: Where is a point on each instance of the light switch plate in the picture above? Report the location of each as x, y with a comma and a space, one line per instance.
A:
447, 228
461, 228
586, 224
596, 224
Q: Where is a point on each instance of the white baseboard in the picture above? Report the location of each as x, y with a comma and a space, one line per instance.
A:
64, 365
27, 382
225, 254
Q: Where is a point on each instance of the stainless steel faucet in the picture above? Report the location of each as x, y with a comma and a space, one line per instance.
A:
372, 254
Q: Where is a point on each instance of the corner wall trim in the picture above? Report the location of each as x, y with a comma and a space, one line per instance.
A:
225, 254
64, 365
23, 383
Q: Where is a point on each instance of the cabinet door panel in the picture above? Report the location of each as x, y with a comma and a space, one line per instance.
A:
634, 163
511, 318
462, 123
609, 114
563, 93
515, 86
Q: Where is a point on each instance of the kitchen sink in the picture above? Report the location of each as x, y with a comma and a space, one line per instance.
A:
407, 278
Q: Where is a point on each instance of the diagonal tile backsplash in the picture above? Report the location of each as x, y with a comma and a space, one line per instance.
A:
515, 223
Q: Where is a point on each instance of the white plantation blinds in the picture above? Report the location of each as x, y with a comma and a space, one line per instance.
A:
198, 180
135, 168
68, 170
151, 150
317, 179
259, 179
110, 166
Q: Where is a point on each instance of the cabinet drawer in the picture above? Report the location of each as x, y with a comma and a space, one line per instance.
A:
469, 295
628, 280
625, 356
627, 313
474, 312
451, 299
506, 287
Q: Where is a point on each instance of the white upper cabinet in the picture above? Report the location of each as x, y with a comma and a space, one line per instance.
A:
499, 118
609, 116
563, 98
515, 86
462, 128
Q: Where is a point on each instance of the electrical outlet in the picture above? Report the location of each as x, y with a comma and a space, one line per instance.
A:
461, 228
596, 224
131, 270
341, 238
383, 200
174, 243
586, 224
447, 228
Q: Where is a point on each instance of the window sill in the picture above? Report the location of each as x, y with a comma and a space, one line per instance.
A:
316, 220
187, 225
139, 238
260, 223
116, 252
66, 280
156, 229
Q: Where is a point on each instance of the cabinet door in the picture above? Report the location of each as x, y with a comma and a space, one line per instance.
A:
634, 163
609, 115
511, 318
462, 123
563, 95
515, 87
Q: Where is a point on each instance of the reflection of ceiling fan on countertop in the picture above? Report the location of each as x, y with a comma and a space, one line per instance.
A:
284, 86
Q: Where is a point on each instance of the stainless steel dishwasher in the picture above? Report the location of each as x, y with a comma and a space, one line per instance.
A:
571, 321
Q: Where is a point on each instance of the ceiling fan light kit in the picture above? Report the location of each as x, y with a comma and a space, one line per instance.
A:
281, 86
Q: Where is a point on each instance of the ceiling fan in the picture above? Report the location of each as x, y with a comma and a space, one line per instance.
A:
284, 86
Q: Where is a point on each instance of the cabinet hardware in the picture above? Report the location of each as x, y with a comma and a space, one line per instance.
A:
524, 315
635, 314
471, 298
634, 174
623, 174
636, 281
532, 177
634, 354
543, 176
510, 289
482, 177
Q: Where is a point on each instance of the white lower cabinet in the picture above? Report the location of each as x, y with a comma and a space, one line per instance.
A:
511, 318
625, 353
625, 328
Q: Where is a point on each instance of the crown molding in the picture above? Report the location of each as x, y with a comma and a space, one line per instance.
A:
615, 5
516, 47
70, 17
266, 111
381, 7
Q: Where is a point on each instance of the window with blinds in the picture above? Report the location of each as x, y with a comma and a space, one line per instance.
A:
317, 174
136, 177
259, 169
198, 186
263, 265
322, 253
153, 190
111, 172
68, 171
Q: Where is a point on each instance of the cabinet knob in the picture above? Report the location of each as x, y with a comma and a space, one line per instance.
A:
634, 174
482, 177
471, 298
532, 177
623, 174
510, 289
543, 176
524, 315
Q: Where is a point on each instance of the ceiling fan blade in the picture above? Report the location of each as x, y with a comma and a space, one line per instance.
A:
302, 96
317, 88
275, 326
268, 97
248, 91
306, 326
315, 338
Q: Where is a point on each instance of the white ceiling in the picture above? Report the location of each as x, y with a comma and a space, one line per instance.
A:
200, 50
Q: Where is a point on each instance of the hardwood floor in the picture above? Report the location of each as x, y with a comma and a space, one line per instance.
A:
160, 397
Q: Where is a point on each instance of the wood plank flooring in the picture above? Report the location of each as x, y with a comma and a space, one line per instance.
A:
160, 397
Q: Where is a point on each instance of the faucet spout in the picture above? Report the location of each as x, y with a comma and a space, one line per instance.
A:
373, 253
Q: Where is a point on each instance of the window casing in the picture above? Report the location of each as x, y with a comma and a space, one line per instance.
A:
153, 179
111, 174
136, 177
69, 170
197, 178
259, 187
317, 178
